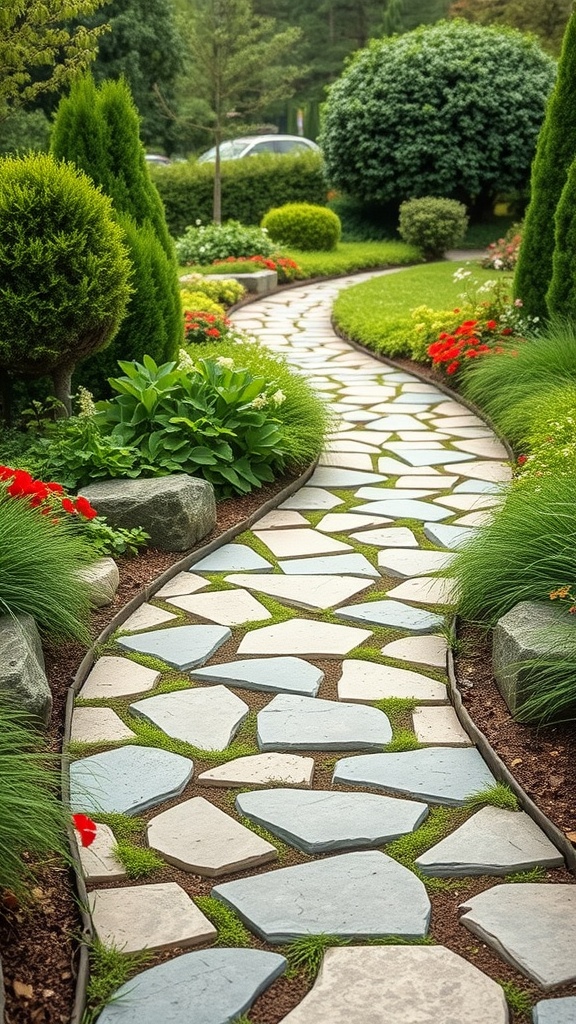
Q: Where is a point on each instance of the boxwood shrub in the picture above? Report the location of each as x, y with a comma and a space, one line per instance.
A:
304, 226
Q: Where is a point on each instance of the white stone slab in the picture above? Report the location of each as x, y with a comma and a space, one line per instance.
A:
346, 460
145, 617
353, 564
292, 722
425, 590
469, 502
384, 493
326, 476
159, 917
344, 522
311, 498
370, 437
439, 727
413, 563
451, 537
227, 607
304, 591
261, 770
423, 650
351, 446
304, 637
99, 864
407, 508
395, 537
474, 519
399, 447
98, 725
496, 472
183, 583
364, 681
207, 717
117, 677
463, 422
394, 423
299, 543
399, 985
196, 836
281, 519
233, 558
393, 467
270, 675
436, 482
451, 408
488, 448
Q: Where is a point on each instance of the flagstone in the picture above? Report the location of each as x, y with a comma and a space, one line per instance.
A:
419, 386
422, 436
364, 681
328, 565
303, 636
474, 519
469, 502
451, 537
158, 917
532, 926
117, 677
198, 837
321, 821
439, 727
450, 408
555, 1011
207, 717
182, 583
358, 415
479, 487
99, 862
440, 775
127, 780
461, 421
310, 498
290, 675
98, 725
183, 647
431, 397
436, 482
281, 519
393, 467
393, 494
390, 409
489, 448
261, 770
492, 842
407, 508
291, 722
401, 985
394, 537
146, 616
365, 436
495, 472
227, 607
467, 432
376, 897
425, 590
346, 460
233, 558
413, 563
423, 650
394, 422
325, 476
304, 591
351, 446
392, 613
430, 457
296, 543
344, 522
399, 447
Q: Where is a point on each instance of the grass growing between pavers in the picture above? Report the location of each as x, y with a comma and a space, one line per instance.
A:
519, 1001
137, 861
305, 955
439, 823
123, 827
231, 931
536, 874
498, 795
110, 968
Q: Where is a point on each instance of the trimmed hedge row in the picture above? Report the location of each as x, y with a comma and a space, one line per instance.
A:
250, 188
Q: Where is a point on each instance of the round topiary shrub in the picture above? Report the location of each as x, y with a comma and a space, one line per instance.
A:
303, 226
63, 267
433, 225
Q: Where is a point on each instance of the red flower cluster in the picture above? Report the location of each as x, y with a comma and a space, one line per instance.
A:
22, 484
463, 343
287, 269
85, 827
199, 326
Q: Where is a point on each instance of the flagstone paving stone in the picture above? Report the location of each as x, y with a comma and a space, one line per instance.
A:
99, 863
393, 423
532, 926
325, 476
290, 675
376, 897
98, 725
207, 717
423, 650
351, 446
429, 457
488, 447
346, 460
145, 616
479, 487
198, 837
127, 780
425, 590
400, 985
494, 472
345, 522
117, 677
295, 543
436, 482
183, 647
392, 613
404, 564
321, 821
451, 537
281, 519
420, 398
327, 565
303, 636
555, 1011
492, 842
398, 508
395, 537
395, 494
392, 467
309, 498
440, 775
474, 519
227, 607
262, 770
157, 916
292, 722
233, 558
363, 681
468, 502
313, 592
439, 727
183, 583
166, 993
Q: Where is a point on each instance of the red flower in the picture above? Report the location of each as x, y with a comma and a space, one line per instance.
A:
452, 367
522, 459
85, 827
491, 324
84, 507
55, 488
68, 506
507, 331
213, 332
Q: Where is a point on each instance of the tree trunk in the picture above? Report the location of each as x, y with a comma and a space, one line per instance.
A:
62, 380
217, 205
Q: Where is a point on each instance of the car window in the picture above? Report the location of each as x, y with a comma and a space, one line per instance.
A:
291, 146
262, 147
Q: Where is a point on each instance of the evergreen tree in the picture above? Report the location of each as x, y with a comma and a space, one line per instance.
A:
561, 296
97, 129
554, 154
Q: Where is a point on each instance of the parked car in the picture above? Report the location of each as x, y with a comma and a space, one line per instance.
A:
156, 158
255, 145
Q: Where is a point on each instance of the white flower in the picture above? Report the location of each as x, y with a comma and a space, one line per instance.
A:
259, 402
198, 222
461, 274
518, 303
201, 248
498, 264
185, 361
85, 399
278, 397
226, 364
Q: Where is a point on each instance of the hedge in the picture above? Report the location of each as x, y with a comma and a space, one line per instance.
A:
250, 188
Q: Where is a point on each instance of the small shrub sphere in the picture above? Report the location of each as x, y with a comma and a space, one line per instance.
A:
433, 225
303, 226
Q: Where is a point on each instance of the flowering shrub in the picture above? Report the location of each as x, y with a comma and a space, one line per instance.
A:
197, 302
205, 243
503, 254
286, 268
201, 327
225, 291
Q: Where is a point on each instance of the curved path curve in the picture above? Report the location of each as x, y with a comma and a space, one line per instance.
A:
302, 669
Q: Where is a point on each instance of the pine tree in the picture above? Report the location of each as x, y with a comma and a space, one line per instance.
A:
554, 155
561, 298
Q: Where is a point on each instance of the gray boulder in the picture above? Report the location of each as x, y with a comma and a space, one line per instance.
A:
525, 634
103, 580
176, 511
22, 676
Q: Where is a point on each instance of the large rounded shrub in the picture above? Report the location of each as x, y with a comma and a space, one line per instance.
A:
303, 226
63, 268
433, 225
451, 109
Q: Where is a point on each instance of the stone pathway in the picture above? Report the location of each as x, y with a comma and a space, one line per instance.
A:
311, 653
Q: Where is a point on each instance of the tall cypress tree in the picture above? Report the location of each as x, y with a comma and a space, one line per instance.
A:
98, 129
561, 296
555, 152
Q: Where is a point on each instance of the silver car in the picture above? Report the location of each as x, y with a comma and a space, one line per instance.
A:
255, 145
